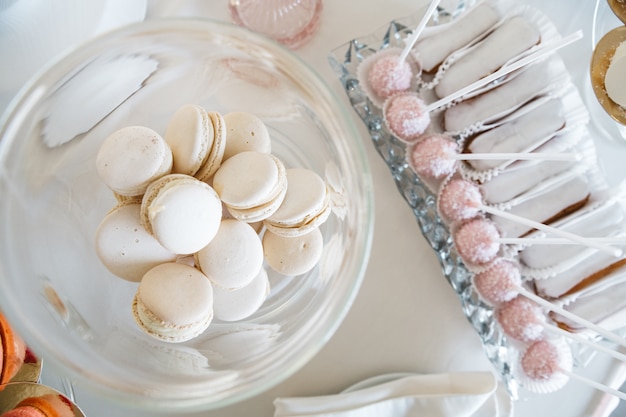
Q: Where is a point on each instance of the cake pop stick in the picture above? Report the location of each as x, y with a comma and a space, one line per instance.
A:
502, 282
418, 30
524, 320
460, 199
436, 156
539, 53
546, 366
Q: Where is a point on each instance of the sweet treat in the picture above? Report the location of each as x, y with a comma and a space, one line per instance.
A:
545, 204
250, 179
233, 257
476, 241
406, 116
245, 132
13, 352
305, 207
181, 212
545, 365
388, 76
295, 255
431, 50
459, 200
216, 155
499, 283
529, 83
239, 304
258, 213
174, 302
124, 246
432, 156
614, 79
507, 41
523, 132
47, 405
131, 158
190, 136
521, 319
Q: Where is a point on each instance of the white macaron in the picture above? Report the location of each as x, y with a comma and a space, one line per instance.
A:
293, 255
239, 304
181, 212
124, 247
245, 132
190, 135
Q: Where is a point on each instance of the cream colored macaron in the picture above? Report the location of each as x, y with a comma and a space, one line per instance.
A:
124, 247
305, 207
250, 179
245, 132
190, 135
239, 304
233, 257
293, 255
131, 158
216, 155
181, 212
174, 302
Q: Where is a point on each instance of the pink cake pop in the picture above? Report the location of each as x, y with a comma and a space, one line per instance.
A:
546, 366
388, 75
521, 319
436, 155
499, 283
476, 241
406, 116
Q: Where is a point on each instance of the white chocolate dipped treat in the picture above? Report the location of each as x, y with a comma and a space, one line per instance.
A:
124, 247
245, 132
181, 212
615, 79
239, 304
216, 155
306, 204
233, 257
131, 158
531, 82
513, 37
174, 302
250, 179
190, 135
433, 49
520, 134
295, 255
521, 176
545, 204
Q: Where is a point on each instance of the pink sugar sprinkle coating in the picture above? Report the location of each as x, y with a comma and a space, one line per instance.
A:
430, 156
386, 77
406, 116
459, 199
521, 319
498, 284
541, 360
476, 241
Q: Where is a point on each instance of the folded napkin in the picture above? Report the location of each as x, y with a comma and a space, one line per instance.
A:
463, 394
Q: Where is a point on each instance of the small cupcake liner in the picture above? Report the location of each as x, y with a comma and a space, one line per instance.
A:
557, 379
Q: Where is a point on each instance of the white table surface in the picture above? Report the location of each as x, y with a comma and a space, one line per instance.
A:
406, 317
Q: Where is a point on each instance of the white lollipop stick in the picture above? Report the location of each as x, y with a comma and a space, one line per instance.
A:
522, 156
594, 384
418, 30
541, 52
566, 237
573, 317
583, 340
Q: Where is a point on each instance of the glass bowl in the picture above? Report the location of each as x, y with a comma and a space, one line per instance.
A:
53, 288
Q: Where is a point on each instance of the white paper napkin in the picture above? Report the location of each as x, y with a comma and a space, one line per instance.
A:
462, 394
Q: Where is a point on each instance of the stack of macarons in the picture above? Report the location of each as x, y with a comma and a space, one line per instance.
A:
202, 212
47, 405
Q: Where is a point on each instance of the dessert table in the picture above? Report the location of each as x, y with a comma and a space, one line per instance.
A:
406, 318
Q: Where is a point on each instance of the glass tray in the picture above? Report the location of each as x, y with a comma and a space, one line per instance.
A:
345, 60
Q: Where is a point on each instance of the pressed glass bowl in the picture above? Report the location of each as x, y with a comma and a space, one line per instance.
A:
53, 288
